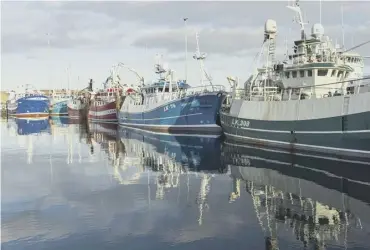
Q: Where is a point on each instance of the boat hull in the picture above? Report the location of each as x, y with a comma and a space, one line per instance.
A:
106, 112
59, 109
197, 113
326, 131
77, 110
32, 106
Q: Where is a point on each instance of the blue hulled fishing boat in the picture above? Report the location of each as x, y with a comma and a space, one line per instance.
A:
173, 105
30, 103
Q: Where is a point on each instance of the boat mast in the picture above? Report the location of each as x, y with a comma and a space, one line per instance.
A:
320, 12
48, 55
341, 10
186, 49
298, 18
200, 57
68, 76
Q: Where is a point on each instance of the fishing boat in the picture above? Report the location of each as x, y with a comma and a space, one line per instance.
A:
77, 108
58, 103
306, 102
78, 104
11, 103
170, 105
105, 102
27, 102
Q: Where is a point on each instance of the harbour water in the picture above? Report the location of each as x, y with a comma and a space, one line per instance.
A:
96, 186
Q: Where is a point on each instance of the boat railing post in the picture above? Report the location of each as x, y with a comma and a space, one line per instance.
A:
342, 88
358, 88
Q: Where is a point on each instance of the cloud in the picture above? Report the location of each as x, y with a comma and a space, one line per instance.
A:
242, 41
224, 27
215, 13
223, 40
25, 27
81, 31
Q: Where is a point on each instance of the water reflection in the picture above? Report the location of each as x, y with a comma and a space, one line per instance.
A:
99, 186
29, 126
315, 214
163, 157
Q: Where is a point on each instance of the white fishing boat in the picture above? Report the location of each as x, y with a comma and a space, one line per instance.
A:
317, 99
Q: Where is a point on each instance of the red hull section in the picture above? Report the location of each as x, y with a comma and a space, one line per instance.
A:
103, 112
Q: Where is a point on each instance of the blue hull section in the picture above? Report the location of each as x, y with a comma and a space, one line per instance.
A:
26, 127
59, 109
33, 106
198, 113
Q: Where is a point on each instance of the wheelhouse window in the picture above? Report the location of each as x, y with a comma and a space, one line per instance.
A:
340, 74
309, 72
347, 74
334, 73
287, 74
301, 73
322, 72
294, 74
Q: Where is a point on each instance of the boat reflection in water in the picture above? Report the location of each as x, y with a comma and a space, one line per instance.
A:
32, 126
288, 190
164, 160
29, 131
60, 121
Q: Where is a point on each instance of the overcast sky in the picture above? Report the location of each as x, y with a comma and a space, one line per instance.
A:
89, 37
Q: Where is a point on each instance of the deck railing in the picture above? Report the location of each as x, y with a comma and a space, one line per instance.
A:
203, 89
305, 92
177, 94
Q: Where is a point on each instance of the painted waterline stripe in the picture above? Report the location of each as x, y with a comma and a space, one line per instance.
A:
162, 118
301, 145
300, 132
169, 126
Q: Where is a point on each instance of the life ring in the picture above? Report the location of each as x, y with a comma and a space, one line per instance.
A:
219, 94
